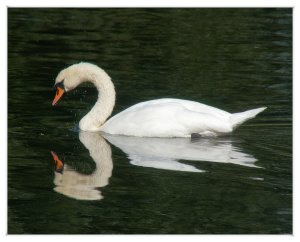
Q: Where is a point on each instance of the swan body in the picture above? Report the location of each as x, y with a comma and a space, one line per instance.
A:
157, 118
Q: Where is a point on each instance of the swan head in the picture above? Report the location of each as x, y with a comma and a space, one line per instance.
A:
70, 77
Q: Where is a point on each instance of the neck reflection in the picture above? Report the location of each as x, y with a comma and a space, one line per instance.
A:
80, 186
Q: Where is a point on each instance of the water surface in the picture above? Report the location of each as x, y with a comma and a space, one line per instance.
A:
233, 59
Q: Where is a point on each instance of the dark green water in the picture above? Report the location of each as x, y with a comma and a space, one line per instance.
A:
234, 59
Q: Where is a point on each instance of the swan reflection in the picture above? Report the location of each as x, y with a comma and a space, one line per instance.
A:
159, 153
80, 186
165, 153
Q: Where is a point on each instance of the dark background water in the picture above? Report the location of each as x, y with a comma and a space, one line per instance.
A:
234, 59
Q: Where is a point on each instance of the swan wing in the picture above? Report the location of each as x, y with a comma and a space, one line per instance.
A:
169, 118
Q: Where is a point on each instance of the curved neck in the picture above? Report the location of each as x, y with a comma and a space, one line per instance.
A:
103, 108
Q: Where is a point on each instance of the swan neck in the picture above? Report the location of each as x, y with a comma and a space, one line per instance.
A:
103, 108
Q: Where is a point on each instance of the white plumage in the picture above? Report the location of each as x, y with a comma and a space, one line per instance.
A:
157, 118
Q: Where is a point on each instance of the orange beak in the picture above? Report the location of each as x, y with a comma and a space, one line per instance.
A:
59, 93
59, 165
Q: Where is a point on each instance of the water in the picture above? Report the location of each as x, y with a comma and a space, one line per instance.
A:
234, 59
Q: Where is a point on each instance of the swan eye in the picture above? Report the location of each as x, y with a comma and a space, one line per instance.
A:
60, 84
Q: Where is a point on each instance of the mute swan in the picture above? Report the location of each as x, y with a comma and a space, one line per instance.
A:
157, 118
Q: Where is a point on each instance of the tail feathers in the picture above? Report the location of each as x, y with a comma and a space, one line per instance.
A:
239, 118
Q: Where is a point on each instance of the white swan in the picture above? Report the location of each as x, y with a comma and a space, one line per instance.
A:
157, 118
